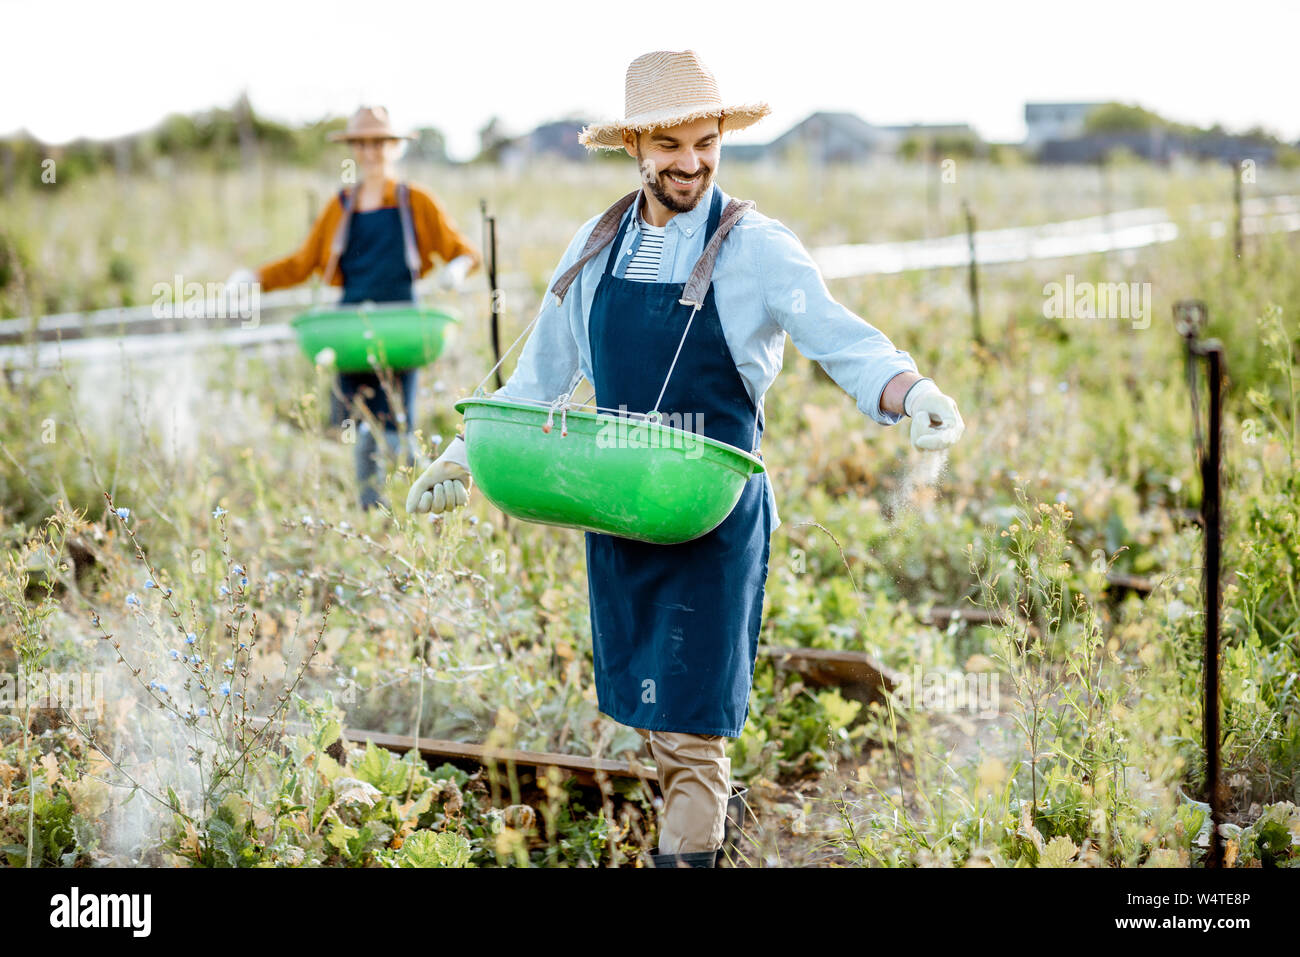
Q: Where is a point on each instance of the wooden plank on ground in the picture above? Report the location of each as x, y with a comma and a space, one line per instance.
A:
827, 667
585, 769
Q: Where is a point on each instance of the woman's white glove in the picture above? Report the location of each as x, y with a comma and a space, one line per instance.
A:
241, 277
239, 291
444, 485
453, 274
923, 402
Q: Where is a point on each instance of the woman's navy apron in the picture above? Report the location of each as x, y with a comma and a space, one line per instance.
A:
374, 268
675, 627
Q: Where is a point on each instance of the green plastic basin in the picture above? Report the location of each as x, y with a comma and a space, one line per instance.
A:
367, 336
623, 477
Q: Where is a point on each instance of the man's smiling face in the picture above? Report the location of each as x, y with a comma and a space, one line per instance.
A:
678, 162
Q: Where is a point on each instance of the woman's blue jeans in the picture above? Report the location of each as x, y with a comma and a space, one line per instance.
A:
371, 459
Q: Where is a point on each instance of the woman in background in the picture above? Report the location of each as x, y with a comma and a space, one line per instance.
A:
359, 242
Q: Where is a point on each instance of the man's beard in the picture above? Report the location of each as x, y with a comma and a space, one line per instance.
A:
661, 191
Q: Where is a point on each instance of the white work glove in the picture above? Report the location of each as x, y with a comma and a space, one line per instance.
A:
236, 287
444, 485
239, 292
240, 277
453, 274
923, 401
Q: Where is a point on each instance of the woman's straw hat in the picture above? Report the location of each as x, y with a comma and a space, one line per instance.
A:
369, 123
668, 88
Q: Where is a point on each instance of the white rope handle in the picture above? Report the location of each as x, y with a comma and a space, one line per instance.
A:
478, 389
561, 403
673, 365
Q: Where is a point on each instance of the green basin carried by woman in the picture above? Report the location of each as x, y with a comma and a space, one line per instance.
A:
619, 476
366, 336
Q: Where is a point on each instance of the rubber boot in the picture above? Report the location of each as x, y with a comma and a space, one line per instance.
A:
689, 859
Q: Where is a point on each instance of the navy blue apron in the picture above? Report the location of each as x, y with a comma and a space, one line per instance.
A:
374, 268
675, 627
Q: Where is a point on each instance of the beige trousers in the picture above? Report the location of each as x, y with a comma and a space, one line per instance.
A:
695, 778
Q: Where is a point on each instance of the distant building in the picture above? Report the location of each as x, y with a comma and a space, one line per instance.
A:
931, 130
836, 137
1055, 121
555, 140
826, 137
823, 138
1158, 146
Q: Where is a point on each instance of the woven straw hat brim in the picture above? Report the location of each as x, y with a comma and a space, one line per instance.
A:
609, 136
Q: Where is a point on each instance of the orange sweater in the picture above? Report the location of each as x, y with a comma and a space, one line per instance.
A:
435, 232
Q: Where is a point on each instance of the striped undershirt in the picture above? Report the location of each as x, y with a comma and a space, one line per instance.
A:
644, 266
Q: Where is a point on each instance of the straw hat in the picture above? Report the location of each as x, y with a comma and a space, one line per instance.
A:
667, 88
369, 123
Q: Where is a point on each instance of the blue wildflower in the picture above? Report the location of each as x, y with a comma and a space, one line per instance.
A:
225, 688
194, 659
148, 583
243, 583
238, 569
203, 712
189, 638
218, 512
132, 599
174, 654
225, 590
123, 513
230, 663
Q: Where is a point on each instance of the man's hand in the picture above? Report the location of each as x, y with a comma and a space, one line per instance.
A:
936, 423
444, 485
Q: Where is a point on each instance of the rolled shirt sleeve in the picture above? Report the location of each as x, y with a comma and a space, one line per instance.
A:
860, 358
436, 232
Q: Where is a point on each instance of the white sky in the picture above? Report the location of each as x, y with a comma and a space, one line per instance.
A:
100, 69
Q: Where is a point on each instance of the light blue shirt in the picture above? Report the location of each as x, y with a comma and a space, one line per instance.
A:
765, 285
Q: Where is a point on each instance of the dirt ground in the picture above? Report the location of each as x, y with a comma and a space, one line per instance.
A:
801, 823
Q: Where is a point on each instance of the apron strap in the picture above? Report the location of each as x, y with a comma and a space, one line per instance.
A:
698, 285
605, 231
408, 231
348, 200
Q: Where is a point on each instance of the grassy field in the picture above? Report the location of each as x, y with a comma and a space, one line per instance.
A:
243, 581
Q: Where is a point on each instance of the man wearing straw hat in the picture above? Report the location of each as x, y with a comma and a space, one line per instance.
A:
677, 277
